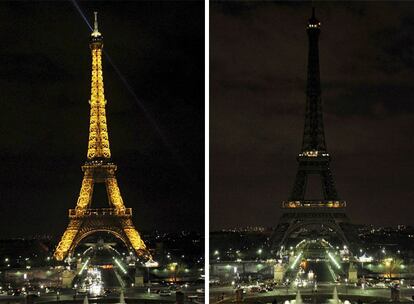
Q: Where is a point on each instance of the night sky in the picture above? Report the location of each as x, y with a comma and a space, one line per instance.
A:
45, 85
258, 79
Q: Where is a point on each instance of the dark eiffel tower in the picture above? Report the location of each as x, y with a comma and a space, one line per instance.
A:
327, 212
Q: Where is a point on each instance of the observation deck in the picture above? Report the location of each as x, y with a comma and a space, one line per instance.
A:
309, 204
127, 212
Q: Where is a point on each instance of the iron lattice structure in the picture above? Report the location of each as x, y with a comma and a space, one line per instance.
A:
328, 210
98, 168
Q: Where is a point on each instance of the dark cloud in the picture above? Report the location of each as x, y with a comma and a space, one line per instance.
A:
369, 99
397, 44
258, 78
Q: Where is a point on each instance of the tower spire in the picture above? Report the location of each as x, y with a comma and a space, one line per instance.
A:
95, 32
98, 146
96, 21
313, 136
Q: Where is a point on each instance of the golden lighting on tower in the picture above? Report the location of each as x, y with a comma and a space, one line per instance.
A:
98, 169
98, 146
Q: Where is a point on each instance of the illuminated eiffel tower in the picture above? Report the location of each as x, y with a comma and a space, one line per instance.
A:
328, 211
84, 221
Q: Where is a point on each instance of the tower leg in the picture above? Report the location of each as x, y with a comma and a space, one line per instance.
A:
114, 193
329, 185
134, 238
67, 240
85, 194
299, 187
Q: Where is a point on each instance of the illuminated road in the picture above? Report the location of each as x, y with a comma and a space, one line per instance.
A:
316, 256
136, 293
323, 271
112, 279
323, 290
103, 254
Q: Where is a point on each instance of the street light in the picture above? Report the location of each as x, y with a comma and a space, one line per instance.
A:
173, 267
346, 285
149, 264
287, 286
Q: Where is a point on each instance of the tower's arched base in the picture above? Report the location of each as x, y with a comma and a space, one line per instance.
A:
292, 221
108, 220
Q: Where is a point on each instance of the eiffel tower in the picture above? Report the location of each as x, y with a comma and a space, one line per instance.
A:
328, 211
84, 221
